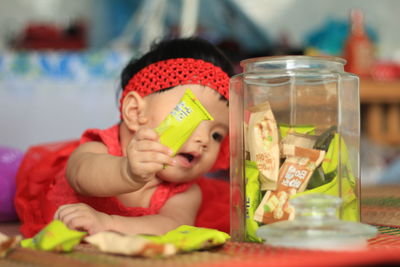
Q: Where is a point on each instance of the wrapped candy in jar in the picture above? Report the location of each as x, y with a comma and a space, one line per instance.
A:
295, 125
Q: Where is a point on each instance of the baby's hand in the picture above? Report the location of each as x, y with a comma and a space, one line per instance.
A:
82, 217
146, 155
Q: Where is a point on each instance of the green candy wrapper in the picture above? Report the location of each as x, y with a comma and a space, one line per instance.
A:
330, 162
177, 127
253, 197
56, 236
331, 187
284, 129
350, 210
189, 238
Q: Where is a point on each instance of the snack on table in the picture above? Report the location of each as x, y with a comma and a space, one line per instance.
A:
293, 178
189, 238
7, 243
56, 236
263, 141
118, 243
177, 127
253, 197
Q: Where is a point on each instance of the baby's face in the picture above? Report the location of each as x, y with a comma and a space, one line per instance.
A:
199, 153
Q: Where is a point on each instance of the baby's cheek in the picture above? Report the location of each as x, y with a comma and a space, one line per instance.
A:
212, 157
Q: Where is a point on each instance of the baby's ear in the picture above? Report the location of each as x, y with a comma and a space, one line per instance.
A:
133, 111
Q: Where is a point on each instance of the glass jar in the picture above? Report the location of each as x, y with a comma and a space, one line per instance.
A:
294, 130
317, 227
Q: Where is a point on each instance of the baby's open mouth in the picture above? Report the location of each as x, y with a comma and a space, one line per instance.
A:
189, 157
186, 160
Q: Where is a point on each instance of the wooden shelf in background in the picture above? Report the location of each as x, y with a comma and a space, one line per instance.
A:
382, 100
372, 91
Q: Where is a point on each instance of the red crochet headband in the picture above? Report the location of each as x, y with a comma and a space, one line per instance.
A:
177, 71
181, 71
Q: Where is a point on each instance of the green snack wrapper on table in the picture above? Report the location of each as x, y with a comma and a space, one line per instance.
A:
56, 236
177, 127
189, 238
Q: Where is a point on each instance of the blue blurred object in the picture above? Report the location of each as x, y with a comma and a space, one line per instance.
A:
10, 159
331, 37
67, 66
392, 173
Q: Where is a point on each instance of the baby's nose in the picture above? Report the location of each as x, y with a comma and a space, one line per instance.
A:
201, 136
201, 139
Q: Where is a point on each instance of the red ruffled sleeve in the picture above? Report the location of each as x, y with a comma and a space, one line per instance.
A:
34, 179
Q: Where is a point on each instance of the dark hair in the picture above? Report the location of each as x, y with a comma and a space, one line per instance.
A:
193, 47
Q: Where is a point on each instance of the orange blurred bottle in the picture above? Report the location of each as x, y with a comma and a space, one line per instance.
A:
359, 49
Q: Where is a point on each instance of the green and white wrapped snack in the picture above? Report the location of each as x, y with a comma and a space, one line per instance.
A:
129, 245
347, 181
56, 236
253, 198
177, 127
189, 238
284, 129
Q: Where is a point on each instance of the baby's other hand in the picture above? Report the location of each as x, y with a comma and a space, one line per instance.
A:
82, 217
146, 155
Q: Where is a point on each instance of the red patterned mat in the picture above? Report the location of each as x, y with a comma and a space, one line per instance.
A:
383, 248
380, 206
254, 255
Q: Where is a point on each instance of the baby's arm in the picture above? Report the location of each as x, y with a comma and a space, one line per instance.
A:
91, 170
180, 209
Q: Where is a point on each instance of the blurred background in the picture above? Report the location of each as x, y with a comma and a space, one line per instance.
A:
60, 60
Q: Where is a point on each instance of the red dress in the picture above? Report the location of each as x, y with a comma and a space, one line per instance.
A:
42, 187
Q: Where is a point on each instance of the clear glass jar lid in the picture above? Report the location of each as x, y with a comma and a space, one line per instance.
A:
316, 226
285, 63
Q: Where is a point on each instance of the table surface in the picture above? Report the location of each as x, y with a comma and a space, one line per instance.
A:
380, 207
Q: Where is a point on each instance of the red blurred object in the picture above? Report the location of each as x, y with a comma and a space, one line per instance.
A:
358, 50
41, 36
385, 71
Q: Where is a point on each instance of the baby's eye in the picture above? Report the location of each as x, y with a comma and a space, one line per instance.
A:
217, 137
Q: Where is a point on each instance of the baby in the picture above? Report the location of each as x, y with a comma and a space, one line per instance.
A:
123, 178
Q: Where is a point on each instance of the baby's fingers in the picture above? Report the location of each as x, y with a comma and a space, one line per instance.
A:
156, 157
79, 222
75, 216
63, 210
152, 146
146, 134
